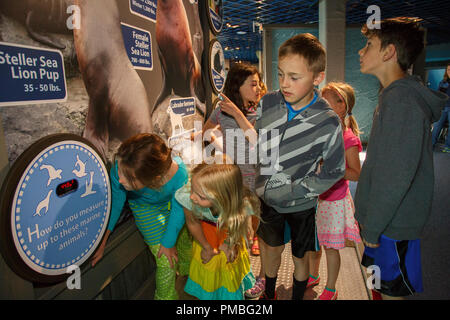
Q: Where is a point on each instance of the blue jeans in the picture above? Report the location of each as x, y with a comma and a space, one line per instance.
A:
437, 127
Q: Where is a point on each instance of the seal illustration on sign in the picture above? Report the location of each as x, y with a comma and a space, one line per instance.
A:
81, 171
89, 186
118, 102
43, 205
52, 173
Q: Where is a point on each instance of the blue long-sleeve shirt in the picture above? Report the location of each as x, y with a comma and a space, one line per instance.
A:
151, 208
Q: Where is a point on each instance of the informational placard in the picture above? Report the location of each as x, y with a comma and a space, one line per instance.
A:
216, 66
215, 15
183, 106
30, 75
144, 8
138, 44
55, 207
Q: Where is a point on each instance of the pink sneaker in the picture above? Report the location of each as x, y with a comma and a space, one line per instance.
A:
328, 294
313, 281
257, 289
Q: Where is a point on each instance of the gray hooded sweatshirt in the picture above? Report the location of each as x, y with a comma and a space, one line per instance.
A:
395, 188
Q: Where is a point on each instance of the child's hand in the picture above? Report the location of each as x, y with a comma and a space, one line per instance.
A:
370, 245
98, 255
170, 253
228, 106
207, 254
319, 167
230, 253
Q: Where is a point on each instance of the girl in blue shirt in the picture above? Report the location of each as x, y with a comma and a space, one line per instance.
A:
145, 174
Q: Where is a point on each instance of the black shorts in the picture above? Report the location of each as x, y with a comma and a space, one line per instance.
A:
302, 225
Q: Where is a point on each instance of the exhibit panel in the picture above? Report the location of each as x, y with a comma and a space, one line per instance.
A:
98, 72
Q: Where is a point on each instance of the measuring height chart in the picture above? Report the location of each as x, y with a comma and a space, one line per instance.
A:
60, 206
30, 75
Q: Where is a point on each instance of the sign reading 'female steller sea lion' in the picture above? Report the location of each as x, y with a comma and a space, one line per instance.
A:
31, 75
55, 206
138, 44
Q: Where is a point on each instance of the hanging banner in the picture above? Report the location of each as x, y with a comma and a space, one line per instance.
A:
138, 44
55, 207
144, 8
31, 75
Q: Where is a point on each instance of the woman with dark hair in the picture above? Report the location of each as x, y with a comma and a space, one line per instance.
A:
236, 114
444, 86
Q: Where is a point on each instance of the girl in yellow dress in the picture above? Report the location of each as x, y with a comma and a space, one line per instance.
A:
220, 213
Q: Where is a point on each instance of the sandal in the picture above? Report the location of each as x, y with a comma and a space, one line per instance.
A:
257, 289
313, 281
255, 247
328, 294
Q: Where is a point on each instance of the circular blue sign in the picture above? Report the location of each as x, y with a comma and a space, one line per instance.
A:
216, 66
60, 207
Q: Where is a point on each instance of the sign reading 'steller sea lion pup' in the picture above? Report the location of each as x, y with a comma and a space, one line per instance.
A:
30, 75
55, 207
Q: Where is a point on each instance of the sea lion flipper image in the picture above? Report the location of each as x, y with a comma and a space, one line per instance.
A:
181, 68
118, 102
41, 37
39, 18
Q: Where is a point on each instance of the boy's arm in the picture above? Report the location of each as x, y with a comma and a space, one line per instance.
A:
331, 170
400, 138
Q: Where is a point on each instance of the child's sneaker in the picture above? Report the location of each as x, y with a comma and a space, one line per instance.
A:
328, 294
257, 289
313, 281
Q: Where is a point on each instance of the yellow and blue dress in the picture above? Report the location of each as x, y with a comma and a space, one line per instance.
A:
217, 279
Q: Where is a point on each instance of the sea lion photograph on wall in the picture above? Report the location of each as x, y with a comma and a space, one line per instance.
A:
40, 18
118, 102
179, 50
47, 27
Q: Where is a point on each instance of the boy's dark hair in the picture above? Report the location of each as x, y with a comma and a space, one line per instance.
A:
239, 72
404, 33
307, 46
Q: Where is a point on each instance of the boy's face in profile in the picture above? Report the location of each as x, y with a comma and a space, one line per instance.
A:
296, 80
371, 56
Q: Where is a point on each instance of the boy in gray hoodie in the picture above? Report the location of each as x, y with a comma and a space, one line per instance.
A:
395, 188
305, 157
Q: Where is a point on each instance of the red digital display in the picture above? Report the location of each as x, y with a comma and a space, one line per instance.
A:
66, 187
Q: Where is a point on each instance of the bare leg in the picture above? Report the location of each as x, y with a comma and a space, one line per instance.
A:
301, 267
333, 266
314, 262
272, 259
262, 248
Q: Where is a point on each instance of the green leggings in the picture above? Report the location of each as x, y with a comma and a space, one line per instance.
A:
165, 275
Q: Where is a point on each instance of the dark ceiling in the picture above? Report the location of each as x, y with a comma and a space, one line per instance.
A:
241, 39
